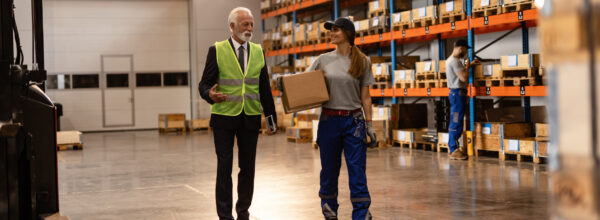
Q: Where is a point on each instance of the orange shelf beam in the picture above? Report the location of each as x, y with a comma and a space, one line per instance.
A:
308, 4
514, 91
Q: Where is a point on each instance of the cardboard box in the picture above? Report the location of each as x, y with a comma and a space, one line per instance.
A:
400, 75
451, 7
68, 137
543, 148
407, 135
377, 5
541, 130
381, 128
516, 114
506, 130
322, 28
520, 61
429, 12
427, 66
487, 71
171, 121
299, 133
362, 25
287, 27
490, 143
300, 32
380, 112
287, 39
380, 69
406, 116
304, 91
403, 17
378, 22
312, 31
479, 4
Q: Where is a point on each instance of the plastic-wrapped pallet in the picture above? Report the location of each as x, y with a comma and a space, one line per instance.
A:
68, 137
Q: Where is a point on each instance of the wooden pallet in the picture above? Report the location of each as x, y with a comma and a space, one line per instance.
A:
287, 32
299, 69
529, 72
426, 75
486, 152
75, 146
362, 33
324, 40
424, 22
176, 130
409, 145
441, 146
299, 140
518, 157
288, 45
378, 30
517, 6
382, 78
312, 41
443, 83
401, 26
378, 12
486, 11
442, 76
427, 84
405, 85
511, 81
300, 43
426, 145
381, 85
452, 18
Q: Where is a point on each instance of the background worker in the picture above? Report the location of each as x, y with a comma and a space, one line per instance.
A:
236, 84
342, 124
458, 76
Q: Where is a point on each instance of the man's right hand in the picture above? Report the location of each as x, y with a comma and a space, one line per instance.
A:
216, 96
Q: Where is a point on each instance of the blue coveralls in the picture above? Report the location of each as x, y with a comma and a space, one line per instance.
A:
337, 134
458, 100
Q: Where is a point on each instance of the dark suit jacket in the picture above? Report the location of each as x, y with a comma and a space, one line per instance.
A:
211, 76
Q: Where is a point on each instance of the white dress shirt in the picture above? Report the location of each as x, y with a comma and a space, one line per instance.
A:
236, 48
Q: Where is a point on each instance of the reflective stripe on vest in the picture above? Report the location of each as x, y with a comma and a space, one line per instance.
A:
242, 90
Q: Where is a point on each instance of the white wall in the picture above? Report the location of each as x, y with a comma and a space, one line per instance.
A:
155, 32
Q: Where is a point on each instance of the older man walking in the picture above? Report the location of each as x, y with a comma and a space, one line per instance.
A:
236, 84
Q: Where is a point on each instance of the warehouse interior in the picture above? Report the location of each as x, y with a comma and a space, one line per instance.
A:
104, 115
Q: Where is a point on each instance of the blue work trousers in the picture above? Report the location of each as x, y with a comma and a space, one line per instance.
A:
458, 102
339, 134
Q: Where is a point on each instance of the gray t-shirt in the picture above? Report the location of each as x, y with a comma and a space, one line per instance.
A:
344, 90
453, 66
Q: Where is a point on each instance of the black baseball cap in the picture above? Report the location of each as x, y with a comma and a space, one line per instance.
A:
343, 23
461, 43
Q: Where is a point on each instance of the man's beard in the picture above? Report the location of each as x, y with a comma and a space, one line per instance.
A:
243, 37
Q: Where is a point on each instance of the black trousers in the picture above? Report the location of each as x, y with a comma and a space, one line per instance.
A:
246, 141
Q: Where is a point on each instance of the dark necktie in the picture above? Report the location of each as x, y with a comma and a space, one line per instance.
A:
241, 58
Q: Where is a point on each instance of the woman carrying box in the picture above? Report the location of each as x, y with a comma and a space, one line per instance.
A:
342, 126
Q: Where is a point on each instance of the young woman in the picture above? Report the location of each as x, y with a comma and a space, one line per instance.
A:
342, 126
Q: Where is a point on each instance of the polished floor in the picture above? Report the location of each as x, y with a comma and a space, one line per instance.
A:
144, 175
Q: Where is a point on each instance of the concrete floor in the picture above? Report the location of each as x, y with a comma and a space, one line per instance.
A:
143, 175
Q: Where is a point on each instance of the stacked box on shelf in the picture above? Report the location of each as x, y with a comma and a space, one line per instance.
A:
381, 7
542, 134
378, 24
516, 5
404, 79
312, 32
521, 69
300, 65
425, 16
427, 74
380, 116
488, 75
482, 8
300, 34
381, 71
361, 27
442, 74
402, 20
265, 5
489, 136
452, 11
323, 33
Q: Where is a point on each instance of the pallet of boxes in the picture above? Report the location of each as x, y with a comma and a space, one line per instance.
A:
300, 35
303, 91
452, 11
569, 44
513, 70
171, 122
408, 123
484, 8
516, 5
381, 74
428, 74
287, 35
424, 17
381, 124
272, 40
506, 133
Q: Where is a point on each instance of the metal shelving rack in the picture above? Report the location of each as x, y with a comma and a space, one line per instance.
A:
495, 23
